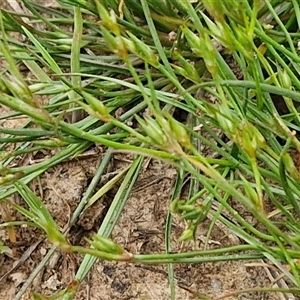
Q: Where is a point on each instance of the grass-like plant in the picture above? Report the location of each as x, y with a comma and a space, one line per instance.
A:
163, 56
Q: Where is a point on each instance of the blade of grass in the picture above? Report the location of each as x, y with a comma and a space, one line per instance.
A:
113, 213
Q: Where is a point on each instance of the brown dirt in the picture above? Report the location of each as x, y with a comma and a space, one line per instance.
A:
139, 230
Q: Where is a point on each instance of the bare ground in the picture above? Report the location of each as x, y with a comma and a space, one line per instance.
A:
139, 230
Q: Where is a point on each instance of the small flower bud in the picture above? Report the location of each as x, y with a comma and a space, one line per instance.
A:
11, 178
180, 133
141, 50
284, 79
19, 89
3, 87
181, 5
104, 244
153, 130
108, 20
251, 193
175, 206
188, 233
110, 40
193, 40
290, 167
186, 69
97, 106
215, 9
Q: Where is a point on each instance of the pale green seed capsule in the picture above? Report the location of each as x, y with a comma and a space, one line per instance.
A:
104, 244
180, 132
285, 79
19, 89
142, 50
188, 233
153, 130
